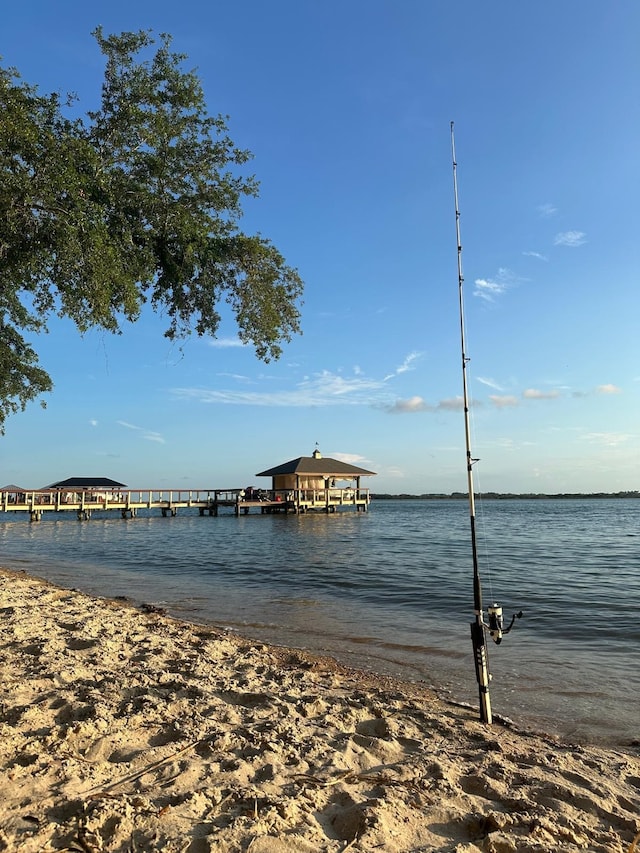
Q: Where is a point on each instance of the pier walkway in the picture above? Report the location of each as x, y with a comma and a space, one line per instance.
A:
128, 502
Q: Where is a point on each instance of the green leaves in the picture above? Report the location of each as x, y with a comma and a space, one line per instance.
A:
21, 380
139, 203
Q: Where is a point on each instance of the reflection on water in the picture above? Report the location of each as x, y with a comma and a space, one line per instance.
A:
390, 590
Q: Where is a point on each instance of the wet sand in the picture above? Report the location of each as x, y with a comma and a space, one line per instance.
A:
125, 730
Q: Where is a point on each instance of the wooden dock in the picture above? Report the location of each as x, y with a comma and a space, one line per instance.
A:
128, 502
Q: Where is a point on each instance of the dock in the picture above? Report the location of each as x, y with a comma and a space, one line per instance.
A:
128, 502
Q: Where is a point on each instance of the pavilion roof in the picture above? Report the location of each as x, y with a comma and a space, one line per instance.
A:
87, 483
318, 466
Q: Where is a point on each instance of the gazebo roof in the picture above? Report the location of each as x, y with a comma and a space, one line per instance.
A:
318, 466
87, 483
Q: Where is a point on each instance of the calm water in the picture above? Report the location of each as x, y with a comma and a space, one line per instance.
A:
391, 590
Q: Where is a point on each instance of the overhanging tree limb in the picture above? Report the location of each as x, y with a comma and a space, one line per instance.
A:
138, 203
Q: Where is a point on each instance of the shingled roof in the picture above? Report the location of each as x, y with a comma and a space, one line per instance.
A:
317, 466
87, 483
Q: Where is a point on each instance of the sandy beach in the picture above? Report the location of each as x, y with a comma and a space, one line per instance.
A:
125, 730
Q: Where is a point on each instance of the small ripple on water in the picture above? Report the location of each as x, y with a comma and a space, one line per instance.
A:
391, 588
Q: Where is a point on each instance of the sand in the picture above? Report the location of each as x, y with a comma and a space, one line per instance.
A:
125, 730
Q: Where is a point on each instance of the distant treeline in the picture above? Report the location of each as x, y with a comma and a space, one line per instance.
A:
503, 496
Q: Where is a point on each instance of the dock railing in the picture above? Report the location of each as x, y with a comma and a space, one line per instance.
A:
208, 501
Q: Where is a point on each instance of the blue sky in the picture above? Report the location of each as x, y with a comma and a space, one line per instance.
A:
346, 106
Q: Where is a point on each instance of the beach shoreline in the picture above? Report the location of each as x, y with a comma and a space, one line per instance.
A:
124, 728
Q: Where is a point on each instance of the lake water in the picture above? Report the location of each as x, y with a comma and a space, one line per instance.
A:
391, 591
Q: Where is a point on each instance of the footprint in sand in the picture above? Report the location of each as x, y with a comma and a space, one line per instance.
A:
343, 818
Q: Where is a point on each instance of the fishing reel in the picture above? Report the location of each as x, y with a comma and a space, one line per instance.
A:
495, 626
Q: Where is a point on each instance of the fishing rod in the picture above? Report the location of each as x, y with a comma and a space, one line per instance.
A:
495, 624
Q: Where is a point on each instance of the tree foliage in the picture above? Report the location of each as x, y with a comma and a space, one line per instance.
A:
138, 203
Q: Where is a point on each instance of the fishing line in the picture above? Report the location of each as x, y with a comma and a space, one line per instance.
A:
480, 516
494, 626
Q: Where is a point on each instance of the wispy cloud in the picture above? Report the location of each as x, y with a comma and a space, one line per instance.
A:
570, 238
491, 383
535, 394
608, 439
93, 422
393, 471
225, 343
546, 210
490, 288
321, 389
238, 377
327, 388
153, 436
406, 365
512, 444
147, 435
537, 255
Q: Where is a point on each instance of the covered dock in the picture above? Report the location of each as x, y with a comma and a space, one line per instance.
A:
307, 483
318, 483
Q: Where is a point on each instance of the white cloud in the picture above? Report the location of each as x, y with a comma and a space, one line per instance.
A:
570, 238
153, 436
224, 343
536, 255
418, 404
93, 422
348, 458
489, 288
413, 404
608, 389
321, 389
535, 394
325, 388
503, 402
405, 366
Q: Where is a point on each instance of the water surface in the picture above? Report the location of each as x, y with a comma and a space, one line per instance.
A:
391, 590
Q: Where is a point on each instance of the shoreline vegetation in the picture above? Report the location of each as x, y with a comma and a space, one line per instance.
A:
505, 496
124, 729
